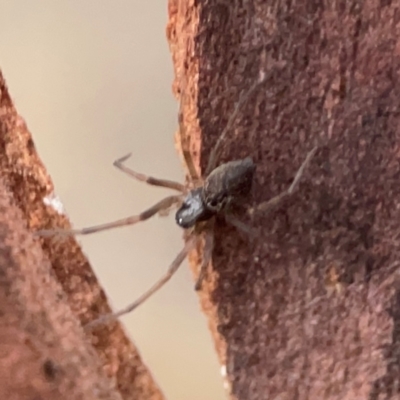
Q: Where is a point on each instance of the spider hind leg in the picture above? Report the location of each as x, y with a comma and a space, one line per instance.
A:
268, 206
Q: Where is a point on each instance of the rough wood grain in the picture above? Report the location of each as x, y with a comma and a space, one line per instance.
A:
48, 290
309, 310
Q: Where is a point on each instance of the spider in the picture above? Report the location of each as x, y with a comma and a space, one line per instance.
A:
198, 202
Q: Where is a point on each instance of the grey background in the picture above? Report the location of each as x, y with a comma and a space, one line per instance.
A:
93, 82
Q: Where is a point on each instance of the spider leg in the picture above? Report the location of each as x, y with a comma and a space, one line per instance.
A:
207, 254
158, 285
212, 161
184, 142
268, 206
161, 206
147, 179
241, 226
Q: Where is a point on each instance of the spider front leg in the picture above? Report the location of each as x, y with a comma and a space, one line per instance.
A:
159, 207
182, 138
147, 179
268, 206
244, 97
190, 243
207, 254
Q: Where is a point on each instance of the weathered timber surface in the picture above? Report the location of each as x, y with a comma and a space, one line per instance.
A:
48, 291
310, 309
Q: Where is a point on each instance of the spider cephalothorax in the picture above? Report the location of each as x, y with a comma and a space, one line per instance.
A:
192, 209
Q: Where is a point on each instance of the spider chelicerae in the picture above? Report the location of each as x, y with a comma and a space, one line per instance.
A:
198, 202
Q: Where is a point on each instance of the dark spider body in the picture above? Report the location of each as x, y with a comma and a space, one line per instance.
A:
225, 185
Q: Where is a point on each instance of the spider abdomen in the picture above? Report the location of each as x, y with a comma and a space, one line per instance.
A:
227, 183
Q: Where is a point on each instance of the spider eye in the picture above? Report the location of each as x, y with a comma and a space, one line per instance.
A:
213, 203
185, 205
